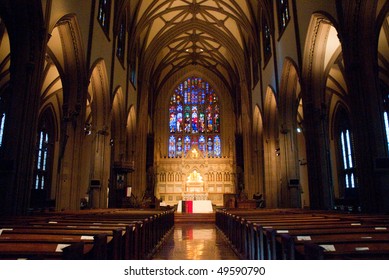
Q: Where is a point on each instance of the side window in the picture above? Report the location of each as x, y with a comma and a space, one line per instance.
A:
104, 15
346, 168
266, 40
121, 41
283, 15
44, 152
386, 118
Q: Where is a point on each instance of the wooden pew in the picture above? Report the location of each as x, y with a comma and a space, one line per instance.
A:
130, 234
116, 235
273, 235
96, 246
291, 242
257, 234
341, 251
43, 250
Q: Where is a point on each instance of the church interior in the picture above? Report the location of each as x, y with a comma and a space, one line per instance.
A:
145, 110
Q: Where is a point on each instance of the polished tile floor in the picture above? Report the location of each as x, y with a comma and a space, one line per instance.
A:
195, 242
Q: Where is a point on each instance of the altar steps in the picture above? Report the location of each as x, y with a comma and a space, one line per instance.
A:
194, 217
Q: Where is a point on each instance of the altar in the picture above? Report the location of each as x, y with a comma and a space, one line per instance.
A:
194, 206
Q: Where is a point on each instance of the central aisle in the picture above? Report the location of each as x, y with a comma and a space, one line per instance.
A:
196, 241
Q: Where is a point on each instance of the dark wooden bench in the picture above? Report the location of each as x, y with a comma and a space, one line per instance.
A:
290, 243
258, 234
43, 251
129, 234
341, 251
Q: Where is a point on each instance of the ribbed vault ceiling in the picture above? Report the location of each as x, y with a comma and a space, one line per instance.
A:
173, 34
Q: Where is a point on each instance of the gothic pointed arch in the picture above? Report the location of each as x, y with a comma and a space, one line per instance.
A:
321, 72
226, 109
65, 46
66, 51
258, 148
289, 97
96, 141
42, 194
131, 133
117, 129
5, 63
383, 67
272, 149
347, 184
194, 119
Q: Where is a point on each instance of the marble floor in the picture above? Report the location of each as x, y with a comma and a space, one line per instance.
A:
195, 241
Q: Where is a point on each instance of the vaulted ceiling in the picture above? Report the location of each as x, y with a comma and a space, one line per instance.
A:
211, 34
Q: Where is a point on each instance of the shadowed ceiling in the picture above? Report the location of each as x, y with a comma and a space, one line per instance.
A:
174, 34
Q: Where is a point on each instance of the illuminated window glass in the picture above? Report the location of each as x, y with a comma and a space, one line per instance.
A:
179, 146
44, 152
386, 119
2, 124
172, 146
121, 41
266, 40
347, 158
283, 14
216, 146
104, 14
194, 119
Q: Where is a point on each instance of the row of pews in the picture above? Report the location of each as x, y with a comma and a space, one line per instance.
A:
97, 234
290, 234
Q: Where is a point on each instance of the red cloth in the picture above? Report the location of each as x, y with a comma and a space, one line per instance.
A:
189, 206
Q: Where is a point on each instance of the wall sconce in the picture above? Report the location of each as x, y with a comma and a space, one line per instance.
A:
278, 152
88, 128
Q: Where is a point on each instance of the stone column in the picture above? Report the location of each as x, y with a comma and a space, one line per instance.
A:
358, 32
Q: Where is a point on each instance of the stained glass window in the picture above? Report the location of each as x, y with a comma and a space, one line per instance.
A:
44, 152
41, 160
2, 124
121, 40
266, 40
187, 143
283, 14
386, 118
347, 179
2, 120
216, 146
104, 14
172, 146
179, 146
347, 159
194, 119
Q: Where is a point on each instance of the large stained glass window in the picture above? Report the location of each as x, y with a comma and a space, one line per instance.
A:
194, 119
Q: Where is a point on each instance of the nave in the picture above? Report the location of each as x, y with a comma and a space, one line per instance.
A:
195, 241
228, 234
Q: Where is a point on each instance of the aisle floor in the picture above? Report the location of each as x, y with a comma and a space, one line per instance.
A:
195, 241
